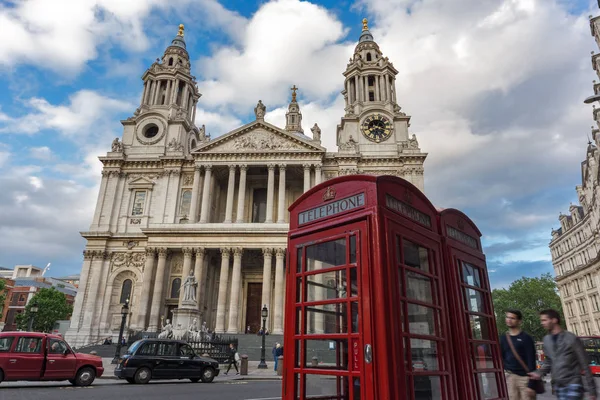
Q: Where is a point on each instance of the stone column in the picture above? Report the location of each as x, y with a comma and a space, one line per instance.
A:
187, 265
270, 192
319, 295
174, 89
306, 177
356, 89
145, 297
100, 199
318, 174
92, 293
376, 87
206, 194
241, 207
80, 298
266, 287
230, 192
158, 296
198, 273
223, 281
281, 205
194, 112
193, 217
278, 314
234, 299
157, 92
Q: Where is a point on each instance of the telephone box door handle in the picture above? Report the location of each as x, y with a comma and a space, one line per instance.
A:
368, 354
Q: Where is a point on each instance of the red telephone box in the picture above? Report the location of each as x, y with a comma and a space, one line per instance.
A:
371, 300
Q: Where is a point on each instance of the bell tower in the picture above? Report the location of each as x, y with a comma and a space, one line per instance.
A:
293, 118
373, 122
163, 124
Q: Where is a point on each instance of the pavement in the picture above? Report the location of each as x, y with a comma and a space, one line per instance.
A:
253, 372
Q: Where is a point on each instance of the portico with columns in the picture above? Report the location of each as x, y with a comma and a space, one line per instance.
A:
173, 201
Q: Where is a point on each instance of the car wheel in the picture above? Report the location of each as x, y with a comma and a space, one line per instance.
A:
142, 375
195, 380
130, 380
1, 376
85, 376
208, 375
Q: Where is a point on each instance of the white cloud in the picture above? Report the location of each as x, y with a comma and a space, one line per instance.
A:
79, 120
41, 153
286, 42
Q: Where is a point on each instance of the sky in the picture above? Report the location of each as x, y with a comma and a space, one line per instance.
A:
495, 90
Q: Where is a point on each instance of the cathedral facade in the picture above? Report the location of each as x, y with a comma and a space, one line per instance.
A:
575, 246
174, 202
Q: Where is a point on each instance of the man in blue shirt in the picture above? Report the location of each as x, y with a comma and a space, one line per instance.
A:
516, 376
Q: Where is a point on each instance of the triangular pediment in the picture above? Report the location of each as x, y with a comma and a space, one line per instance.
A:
140, 183
260, 137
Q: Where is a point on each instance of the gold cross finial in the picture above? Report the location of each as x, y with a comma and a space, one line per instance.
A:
180, 33
294, 88
365, 24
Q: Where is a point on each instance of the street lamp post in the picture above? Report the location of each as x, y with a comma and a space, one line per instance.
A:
32, 311
265, 314
124, 312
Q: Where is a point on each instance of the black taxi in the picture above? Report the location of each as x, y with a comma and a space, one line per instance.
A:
148, 359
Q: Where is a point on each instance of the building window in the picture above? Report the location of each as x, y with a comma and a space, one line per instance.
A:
125, 291
575, 329
259, 205
570, 308
595, 303
186, 201
175, 286
139, 201
566, 289
369, 57
170, 61
581, 303
577, 286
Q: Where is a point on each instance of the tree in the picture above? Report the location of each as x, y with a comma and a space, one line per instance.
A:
2, 296
530, 296
52, 306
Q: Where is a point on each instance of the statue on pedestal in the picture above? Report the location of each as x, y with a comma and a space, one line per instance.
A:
260, 110
167, 331
189, 288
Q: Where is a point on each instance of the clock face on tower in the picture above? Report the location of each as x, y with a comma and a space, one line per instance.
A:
376, 128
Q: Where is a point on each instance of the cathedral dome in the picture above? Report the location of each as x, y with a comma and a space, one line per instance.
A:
366, 35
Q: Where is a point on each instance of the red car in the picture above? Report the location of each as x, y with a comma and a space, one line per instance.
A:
34, 356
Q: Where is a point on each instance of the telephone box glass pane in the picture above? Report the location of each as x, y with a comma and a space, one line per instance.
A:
354, 311
330, 353
299, 290
471, 275
326, 387
325, 255
298, 320
326, 286
356, 388
424, 355
488, 388
326, 318
299, 259
428, 388
474, 300
419, 287
353, 282
482, 356
416, 256
352, 249
421, 320
480, 327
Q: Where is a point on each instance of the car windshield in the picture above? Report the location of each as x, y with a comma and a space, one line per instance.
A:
134, 347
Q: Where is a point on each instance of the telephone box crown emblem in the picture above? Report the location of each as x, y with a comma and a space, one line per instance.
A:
329, 194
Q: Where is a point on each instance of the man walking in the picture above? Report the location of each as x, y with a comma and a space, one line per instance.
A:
566, 360
231, 359
516, 355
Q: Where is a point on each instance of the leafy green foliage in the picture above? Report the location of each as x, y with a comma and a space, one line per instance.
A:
530, 296
2, 295
52, 306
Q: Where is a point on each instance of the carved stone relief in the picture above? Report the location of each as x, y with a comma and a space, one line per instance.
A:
128, 260
260, 140
177, 264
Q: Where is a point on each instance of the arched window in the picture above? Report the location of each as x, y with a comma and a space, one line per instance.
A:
186, 201
175, 288
125, 291
368, 56
170, 61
